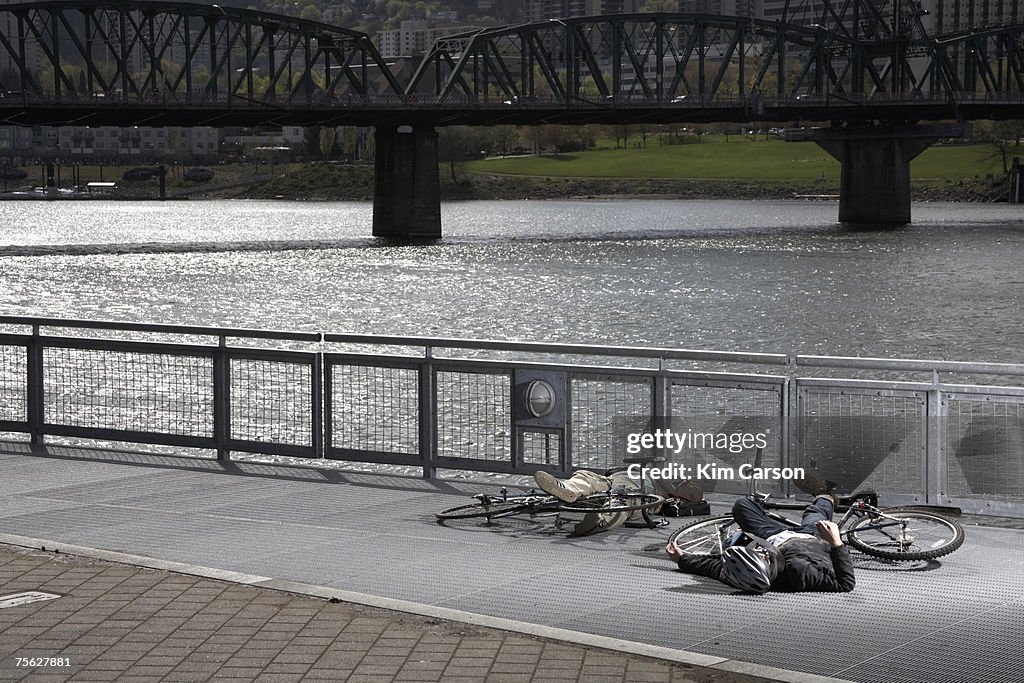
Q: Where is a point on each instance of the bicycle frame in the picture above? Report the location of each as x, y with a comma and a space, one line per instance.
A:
535, 503
858, 509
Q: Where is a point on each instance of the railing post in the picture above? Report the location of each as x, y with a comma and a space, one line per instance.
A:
566, 456
327, 416
515, 441
318, 398
34, 389
662, 404
936, 476
221, 400
428, 414
793, 427
786, 402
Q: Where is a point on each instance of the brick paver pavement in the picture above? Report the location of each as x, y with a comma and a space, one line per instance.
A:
116, 622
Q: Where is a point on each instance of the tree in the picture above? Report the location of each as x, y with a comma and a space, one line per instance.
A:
645, 132
620, 133
311, 13
349, 141
327, 137
504, 139
1005, 138
311, 141
456, 144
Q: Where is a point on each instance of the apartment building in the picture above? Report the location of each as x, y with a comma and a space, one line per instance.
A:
413, 37
955, 16
541, 10
110, 144
728, 8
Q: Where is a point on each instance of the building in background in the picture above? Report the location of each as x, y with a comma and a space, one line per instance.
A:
954, 16
413, 37
729, 8
110, 144
542, 10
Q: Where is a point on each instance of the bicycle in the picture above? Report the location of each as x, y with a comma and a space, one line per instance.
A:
541, 504
893, 533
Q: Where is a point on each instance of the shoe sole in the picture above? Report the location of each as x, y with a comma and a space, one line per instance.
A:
551, 486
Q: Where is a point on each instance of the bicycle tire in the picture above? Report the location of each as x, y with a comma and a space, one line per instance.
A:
926, 537
619, 502
701, 537
493, 510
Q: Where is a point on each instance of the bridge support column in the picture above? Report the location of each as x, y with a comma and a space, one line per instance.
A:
874, 186
407, 186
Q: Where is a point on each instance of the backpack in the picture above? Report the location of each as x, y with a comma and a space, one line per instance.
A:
675, 507
682, 499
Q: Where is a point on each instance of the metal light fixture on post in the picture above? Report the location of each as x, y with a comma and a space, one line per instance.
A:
539, 398
539, 412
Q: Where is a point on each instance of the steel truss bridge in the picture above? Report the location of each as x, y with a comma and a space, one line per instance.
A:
866, 66
92, 62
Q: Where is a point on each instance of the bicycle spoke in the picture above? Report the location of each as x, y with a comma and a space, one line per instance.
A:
906, 534
700, 537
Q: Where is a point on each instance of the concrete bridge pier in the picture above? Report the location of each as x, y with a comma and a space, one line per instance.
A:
407, 187
874, 186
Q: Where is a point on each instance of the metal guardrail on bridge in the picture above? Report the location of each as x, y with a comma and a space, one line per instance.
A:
514, 407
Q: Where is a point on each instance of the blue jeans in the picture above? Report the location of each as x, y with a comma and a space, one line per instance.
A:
753, 519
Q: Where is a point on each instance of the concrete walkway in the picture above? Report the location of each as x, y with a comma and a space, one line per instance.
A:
372, 539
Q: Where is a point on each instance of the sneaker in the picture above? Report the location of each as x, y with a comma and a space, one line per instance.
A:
814, 486
831, 497
554, 487
596, 522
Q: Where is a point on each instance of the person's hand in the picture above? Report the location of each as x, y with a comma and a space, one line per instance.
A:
673, 551
829, 531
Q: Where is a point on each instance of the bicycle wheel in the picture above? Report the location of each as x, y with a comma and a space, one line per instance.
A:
616, 502
906, 535
700, 538
490, 510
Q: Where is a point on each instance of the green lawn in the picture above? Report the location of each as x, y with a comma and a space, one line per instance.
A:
739, 158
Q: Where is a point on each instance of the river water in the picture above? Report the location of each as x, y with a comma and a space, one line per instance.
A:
728, 275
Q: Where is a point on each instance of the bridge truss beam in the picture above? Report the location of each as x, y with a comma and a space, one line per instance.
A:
862, 61
179, 63
167, 63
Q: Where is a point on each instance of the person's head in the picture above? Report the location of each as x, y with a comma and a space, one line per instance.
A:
750, 568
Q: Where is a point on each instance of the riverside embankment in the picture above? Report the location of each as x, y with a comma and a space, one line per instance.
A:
339, 182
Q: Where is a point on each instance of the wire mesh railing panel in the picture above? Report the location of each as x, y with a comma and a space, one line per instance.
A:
600, 408
474, 415
984, 439
13, 383
272, 401
125, 391
375, 408
861, 439
723, 427
541, 448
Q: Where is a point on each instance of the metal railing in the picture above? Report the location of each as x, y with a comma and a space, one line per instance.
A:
437, 403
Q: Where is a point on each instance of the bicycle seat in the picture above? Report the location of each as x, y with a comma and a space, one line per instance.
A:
866, 495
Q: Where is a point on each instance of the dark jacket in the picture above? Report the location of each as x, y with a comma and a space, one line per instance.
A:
809, 565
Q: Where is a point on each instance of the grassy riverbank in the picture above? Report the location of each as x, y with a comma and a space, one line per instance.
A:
740, 168
738, 158
737, 168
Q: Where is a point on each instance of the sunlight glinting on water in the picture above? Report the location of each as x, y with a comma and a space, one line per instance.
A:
758, 276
